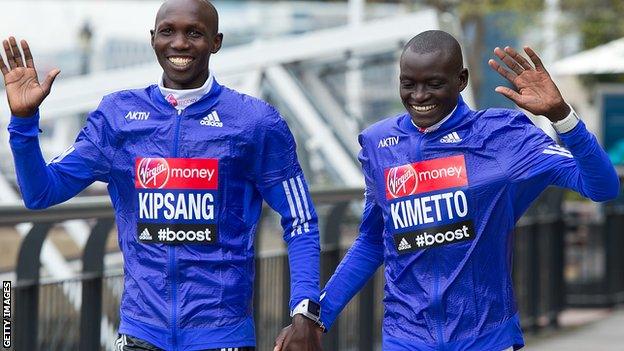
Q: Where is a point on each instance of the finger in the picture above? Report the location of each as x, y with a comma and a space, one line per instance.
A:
49, 79
27, 55
509, 93
17, 55
516, 56
279, 340
508, 60
510, 76
536, 59
9, 54
3, 68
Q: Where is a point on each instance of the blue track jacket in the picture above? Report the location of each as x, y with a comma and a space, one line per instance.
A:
440, 209
187, 190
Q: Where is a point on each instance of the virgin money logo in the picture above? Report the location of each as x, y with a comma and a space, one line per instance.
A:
401, 181
177, 173
152, 173
426, 176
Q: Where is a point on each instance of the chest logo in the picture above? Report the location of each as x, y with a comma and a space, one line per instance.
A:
212, 120
390, 141
451, 138
137, 115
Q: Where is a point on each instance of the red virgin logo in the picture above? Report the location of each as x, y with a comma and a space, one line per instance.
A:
152, 173
401, 181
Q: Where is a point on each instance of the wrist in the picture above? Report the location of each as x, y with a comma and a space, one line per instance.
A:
309, 311
561, 111
567, 123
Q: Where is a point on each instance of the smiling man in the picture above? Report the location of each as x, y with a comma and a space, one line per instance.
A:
442, 201
188, 163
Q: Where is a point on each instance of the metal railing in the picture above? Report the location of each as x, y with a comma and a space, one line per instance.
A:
71, 314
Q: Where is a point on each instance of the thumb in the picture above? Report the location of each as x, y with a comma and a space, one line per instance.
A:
49, 79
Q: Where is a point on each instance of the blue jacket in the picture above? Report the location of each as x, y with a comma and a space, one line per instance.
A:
187, 190
440, 211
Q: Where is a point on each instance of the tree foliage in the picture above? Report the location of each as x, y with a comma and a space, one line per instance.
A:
599, 21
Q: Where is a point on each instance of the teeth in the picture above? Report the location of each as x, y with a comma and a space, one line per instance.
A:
423, 108
180, 61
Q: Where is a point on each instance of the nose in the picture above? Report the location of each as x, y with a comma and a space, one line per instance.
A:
420, 94
180, 42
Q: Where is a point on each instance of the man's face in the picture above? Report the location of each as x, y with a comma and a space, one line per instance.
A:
429, 85
183, 39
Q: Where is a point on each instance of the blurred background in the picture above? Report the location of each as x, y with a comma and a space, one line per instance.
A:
331, 68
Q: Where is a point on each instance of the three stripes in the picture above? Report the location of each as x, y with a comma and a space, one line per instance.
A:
557, 150
299, 205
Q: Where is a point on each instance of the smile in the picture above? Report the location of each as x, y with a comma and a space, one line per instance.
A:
426, 108
180, 61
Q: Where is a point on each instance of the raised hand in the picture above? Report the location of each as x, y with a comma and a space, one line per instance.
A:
23, 90
535, 90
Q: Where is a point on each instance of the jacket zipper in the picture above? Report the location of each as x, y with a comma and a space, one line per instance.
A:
437, 301
172, 253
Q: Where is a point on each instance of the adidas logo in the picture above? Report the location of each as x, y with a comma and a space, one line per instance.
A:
212, 120
557, 150
145, 235
451, 138
404, 245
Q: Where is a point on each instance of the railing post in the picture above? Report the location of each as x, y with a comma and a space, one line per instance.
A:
558, 266
534, 275
367, 316
330, 241
92, 272
286, 320
27, 288
614, 244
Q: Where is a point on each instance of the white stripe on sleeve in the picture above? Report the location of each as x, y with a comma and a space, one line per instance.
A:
298, 202
292, 207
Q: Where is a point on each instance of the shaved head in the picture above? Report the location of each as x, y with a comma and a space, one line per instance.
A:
436, 41
205, 8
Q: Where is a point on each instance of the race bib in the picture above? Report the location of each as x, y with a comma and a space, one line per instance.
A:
428, 204
177, 199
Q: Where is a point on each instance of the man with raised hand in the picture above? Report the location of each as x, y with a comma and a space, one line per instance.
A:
188, 163
441, 204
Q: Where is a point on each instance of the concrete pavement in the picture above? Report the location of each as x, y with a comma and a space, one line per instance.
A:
583, 331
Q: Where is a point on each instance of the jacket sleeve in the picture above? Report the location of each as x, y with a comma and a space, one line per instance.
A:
43, 185
363, 258
535, 161
281, 183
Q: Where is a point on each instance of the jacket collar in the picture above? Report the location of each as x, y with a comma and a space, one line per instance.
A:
204, 103
448, 123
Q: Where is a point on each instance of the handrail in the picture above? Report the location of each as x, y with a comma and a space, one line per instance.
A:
101, 207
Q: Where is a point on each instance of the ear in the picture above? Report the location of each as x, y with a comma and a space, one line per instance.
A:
152, 33
463, 79
217, 41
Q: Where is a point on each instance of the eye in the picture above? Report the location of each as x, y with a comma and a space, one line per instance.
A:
436, 84
194, 34
165, 31
407, 85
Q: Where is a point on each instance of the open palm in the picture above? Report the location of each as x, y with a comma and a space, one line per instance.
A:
23, 89
535, 90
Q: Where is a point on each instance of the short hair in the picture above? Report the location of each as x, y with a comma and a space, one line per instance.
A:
435, 41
